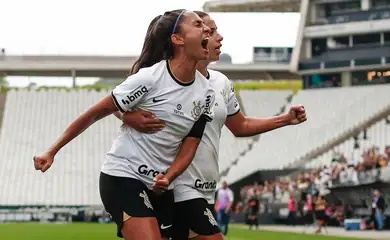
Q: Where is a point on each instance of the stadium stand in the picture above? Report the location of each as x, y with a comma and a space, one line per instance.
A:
231, 148
73, 180
332, 112
32, 120
263, 103
378, 135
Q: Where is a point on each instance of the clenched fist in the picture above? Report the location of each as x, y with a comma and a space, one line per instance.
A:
43, 162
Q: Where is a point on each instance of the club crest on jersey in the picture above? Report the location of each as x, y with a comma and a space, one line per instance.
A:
197, 110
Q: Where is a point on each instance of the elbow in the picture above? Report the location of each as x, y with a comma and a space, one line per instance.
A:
238, 126
239, 134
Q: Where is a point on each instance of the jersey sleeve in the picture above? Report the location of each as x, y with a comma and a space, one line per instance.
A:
209, 108
233, 107
132, 91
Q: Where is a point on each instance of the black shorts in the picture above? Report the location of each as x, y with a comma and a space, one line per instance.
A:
127, 197
196, 216
321, 215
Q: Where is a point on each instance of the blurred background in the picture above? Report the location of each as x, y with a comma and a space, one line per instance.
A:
57, 58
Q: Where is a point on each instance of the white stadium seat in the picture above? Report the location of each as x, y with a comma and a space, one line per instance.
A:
32, 121
377, 135
331, 112
262, 103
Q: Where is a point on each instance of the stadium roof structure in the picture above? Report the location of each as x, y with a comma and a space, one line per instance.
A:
118, 67
252, 6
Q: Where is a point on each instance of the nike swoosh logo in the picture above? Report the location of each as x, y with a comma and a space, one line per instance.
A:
157, 100
165, 227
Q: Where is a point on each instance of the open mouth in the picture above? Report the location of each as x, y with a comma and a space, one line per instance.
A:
204, 43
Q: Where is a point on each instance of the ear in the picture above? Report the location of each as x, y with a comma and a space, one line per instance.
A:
177, 39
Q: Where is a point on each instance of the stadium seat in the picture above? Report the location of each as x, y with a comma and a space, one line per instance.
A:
32, 121
264, 103
377, 135
331, 112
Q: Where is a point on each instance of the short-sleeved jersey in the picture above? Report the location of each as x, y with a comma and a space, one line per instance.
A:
155, 89
200, 178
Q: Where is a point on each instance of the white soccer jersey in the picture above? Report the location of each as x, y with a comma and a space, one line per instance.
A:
200, 178
155, 89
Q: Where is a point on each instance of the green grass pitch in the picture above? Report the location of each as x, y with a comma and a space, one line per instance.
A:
21, 231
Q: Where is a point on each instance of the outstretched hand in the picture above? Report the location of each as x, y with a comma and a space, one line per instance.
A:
296, 115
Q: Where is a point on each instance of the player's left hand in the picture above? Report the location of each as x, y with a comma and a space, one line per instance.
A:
296, 115
161, 183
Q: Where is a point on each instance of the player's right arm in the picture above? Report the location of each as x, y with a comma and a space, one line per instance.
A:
124, 97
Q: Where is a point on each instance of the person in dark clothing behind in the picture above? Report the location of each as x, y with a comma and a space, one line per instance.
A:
319, 212
348, 211
378, 209
253, 210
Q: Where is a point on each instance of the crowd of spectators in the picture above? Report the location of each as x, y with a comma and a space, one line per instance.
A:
341, 171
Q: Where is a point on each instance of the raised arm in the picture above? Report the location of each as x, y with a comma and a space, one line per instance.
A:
124, 98
242, 126
105, 107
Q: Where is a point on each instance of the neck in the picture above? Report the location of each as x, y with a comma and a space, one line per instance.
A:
183, 68
201, 66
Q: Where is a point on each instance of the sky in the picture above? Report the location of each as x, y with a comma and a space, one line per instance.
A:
118, 27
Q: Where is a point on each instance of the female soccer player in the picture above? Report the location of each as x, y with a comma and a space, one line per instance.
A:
194, 208
165, 82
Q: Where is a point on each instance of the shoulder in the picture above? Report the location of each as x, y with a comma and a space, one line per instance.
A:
149, 75
218, 76
221, 80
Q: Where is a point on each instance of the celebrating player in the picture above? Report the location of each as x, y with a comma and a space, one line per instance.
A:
194, 208
165, 82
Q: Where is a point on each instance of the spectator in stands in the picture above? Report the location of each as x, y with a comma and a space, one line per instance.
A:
253, 210
223, 207
276, 191
378, 209
335, 215
348, 211
292, 211
326, 176
309, 215
312, 186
